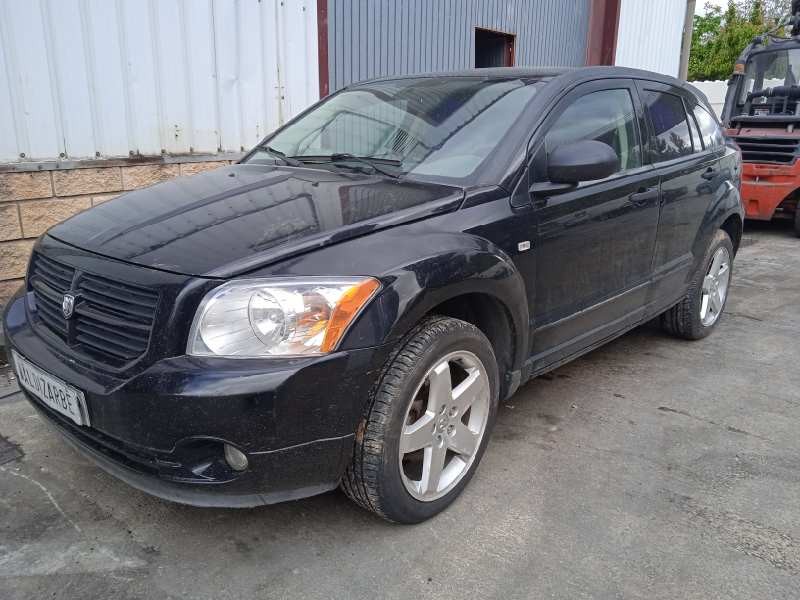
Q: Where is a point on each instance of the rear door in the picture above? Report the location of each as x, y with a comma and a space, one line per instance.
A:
594, 244
688, 172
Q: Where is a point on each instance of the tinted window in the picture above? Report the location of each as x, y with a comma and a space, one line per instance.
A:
606, 116
709, 130
670, 127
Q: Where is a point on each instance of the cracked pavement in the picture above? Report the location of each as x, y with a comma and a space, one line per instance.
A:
650, 468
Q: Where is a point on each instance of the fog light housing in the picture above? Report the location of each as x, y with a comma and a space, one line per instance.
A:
235, 458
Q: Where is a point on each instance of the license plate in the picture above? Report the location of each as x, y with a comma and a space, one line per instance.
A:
56, 394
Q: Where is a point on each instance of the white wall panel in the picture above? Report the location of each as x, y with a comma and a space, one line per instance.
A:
9, 146
200, 75
34, 110
109, 92
650, 34
715, 92
106, 78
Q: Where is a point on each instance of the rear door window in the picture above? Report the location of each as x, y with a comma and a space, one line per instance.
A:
709, 130
671, 135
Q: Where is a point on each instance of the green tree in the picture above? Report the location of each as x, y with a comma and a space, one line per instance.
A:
720, 36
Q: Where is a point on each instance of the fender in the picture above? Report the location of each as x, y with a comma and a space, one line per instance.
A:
464, 264
727, 201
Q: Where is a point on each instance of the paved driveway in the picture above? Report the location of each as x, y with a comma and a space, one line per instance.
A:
651, 468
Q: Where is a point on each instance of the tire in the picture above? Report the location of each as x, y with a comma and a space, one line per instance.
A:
687, 318
797, 220
380, 478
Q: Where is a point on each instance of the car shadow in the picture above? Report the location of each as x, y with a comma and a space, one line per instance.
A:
779, 226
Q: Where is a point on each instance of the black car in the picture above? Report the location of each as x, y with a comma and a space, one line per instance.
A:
349, 303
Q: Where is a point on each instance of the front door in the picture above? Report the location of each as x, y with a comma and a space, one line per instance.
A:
594, 243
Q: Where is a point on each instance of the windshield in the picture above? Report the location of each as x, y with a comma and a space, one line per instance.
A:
444, 127
770, 69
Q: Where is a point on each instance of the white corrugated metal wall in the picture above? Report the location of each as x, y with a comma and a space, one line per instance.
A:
650, 34
104, 78
715, 92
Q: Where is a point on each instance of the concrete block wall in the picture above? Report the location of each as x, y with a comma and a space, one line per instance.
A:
31, 202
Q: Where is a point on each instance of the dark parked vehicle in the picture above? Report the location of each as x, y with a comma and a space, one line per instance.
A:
349, 303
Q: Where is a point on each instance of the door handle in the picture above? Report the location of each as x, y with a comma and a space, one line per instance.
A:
643, 196
710, 174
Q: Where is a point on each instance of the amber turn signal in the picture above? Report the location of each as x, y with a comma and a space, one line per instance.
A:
349, 305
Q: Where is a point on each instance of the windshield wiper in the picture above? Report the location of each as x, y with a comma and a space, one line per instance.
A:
343, 157
286, 159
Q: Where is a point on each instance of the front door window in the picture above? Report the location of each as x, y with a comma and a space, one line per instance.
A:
605, 116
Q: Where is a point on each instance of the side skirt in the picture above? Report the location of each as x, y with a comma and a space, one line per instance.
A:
528, 372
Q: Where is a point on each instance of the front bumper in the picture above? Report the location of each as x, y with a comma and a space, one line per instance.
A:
162, 430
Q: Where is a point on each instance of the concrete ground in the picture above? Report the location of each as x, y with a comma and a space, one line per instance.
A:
651, 468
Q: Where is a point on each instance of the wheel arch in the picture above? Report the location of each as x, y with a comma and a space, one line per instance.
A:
477, 283
734, 227
490, 315
726, 213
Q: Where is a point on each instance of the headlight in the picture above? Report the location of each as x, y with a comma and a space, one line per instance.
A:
272, 317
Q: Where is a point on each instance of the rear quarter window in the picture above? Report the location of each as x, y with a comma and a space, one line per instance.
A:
709, 129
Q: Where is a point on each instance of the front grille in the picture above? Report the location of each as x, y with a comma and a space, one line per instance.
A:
50, 280
112, 321
768, 150
113, 318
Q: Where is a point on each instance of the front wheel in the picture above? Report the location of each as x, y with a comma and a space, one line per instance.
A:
698, 313
427, 423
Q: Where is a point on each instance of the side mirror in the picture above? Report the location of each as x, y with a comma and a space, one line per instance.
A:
585, 160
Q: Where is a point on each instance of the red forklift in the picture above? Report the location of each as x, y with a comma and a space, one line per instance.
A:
762, 116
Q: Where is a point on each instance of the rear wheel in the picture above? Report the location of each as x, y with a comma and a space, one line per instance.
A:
698, 313
427, 424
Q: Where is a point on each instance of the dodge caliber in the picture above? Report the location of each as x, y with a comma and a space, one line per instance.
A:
348, 304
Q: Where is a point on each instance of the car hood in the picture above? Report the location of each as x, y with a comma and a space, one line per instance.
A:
238, 218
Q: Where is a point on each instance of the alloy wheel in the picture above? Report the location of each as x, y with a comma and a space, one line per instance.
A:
715, 287
444, 425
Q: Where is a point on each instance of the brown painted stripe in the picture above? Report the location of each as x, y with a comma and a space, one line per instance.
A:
322, 47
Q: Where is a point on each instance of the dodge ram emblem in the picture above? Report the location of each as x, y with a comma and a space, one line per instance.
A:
68, 305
